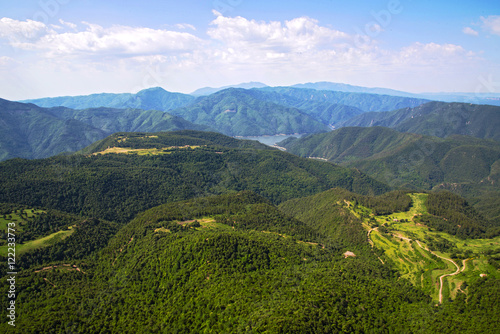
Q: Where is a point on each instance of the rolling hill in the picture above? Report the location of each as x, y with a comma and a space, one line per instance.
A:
128, 173
215, 234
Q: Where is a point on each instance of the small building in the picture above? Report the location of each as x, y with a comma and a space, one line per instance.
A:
349, 254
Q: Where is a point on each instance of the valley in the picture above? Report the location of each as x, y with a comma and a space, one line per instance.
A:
410, 247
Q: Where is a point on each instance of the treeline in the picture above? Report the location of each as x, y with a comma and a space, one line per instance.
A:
452, 214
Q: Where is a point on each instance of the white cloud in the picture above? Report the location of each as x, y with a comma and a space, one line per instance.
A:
236, 49
301, 34
470, 31
185, 26
492, 24
68, 24
16, 31
95, 40
432, 54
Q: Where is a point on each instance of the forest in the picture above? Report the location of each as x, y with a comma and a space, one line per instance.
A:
202, 233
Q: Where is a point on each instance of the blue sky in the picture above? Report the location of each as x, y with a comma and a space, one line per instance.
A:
75, 47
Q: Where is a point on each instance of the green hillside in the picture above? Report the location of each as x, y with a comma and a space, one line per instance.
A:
231, 263
28, 131
362, 101
117, 186
464, 165
438, 119
237, 112
435, 241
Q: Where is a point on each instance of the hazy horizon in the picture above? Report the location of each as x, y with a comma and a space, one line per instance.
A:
66, 47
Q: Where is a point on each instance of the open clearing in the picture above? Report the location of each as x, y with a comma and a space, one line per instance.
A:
403, 242
144, 151
39, 243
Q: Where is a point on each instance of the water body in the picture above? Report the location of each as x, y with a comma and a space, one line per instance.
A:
271, 140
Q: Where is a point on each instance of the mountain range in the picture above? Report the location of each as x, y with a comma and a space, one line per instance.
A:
233, 111
438, 119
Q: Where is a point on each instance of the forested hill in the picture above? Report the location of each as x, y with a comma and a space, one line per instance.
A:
238, 112
122, 181
438, 119
235, 263
465, 165
29, 131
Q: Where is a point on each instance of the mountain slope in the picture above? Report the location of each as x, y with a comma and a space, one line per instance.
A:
225, 264
363, 101
210, 90
438, 119
475, 98
147, 99
238, 112
464, 165
115, 183
113, 120
28, 131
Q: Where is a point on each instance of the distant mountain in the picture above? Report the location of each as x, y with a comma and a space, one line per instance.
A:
467, 166
240, 112
363, 101
147, 99
113, 120
28, 131
340, 87
438, 119
210, 90
476, 98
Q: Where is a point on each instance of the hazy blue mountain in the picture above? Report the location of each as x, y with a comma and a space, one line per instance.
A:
147, 99
341, 87
210, 90
240, 112
438, 119
476, 98
363, 101
28, 131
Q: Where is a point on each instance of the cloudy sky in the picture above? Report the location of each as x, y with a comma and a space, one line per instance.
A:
76, 47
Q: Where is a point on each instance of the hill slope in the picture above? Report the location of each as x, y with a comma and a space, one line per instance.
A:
227, 264
238, 112
467, 166
438, 119
160, 168
28, 131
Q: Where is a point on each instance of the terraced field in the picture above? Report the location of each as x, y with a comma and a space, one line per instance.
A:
405, 246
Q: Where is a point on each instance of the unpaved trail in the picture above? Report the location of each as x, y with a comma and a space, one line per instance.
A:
445, 275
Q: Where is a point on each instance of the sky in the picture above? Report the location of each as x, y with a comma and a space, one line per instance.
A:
78, 47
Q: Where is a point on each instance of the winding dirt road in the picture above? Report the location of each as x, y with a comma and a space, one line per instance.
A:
442, 276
